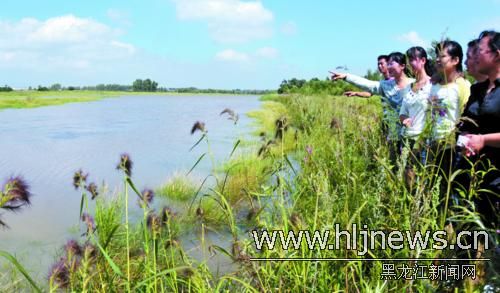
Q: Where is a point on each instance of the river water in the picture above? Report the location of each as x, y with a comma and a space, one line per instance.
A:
47, 145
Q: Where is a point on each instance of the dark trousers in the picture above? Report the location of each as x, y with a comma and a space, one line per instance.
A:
487, 199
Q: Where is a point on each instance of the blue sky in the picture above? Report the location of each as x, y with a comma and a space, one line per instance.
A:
218, 43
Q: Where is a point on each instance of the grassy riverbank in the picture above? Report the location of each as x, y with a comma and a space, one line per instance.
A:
319, 161
34, 99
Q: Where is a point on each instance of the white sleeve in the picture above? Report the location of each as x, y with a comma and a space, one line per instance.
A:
366, 84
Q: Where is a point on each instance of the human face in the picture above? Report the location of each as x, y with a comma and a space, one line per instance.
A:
382, 66
445, 63
395, 69
417, 64
471, 63
487, 60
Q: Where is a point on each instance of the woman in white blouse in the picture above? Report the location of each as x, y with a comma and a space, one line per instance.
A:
414, 108
416, 98
416, 101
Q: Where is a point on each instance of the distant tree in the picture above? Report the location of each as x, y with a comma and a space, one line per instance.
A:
298, 83
283, 87
146, 85
373, 75
291, 85
42, 88
137, 85
220, 91
55, 87
314, 86
6, 88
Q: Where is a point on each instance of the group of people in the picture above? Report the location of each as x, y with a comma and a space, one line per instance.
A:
430, 105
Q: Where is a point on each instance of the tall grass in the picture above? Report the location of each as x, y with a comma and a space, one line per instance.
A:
320, 161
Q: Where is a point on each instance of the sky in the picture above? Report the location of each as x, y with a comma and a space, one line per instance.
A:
224, 44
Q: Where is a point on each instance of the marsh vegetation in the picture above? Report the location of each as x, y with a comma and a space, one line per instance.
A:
316, 161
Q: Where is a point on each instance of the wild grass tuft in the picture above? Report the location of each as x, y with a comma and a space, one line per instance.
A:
178, 188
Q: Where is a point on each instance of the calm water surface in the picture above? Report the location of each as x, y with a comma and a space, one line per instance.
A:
47, 145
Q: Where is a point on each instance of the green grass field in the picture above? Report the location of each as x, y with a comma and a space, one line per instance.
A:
33, 99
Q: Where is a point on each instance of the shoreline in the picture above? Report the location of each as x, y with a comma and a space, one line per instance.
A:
36, 99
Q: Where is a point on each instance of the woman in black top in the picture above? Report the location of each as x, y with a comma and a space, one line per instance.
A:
482, 138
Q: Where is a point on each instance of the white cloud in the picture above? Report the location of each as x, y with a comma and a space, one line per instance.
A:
267, 52
67, 29
229, 21
130, 48
62, 29
228, 11
232, 55
31, 56
414, 39
62, 42
237, 56
289, 28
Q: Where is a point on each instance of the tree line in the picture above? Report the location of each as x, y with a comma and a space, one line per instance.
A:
314, 86
6, 88
140, 85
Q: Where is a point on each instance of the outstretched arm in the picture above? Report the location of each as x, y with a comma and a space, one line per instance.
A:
366, 84
358, 94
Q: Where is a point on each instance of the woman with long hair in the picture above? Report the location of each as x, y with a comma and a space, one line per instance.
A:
416, 98
391, 91
451, 91
448, 96
414, 108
